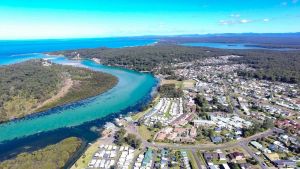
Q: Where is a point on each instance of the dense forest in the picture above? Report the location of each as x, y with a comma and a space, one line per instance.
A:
281, 66
269, 64
26, 86
51, 157
144, 58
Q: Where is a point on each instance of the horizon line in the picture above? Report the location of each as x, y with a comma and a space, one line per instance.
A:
137, 36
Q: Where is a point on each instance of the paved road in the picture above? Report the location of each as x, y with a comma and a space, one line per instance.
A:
198, 161
133, 129
260, 162
242, 142
211, 146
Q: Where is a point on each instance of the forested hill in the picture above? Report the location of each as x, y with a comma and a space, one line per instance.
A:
37, 85
271, 65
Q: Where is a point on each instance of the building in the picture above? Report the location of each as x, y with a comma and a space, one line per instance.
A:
285, 163
147, 161
198, 123
272, 156
216, 139
236, 156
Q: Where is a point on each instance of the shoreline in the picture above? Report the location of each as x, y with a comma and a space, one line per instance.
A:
41, 111
79, 130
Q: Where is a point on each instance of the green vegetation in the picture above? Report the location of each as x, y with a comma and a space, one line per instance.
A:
145, 132
273, 66
144, 58
252, 161
28, 87
51, 157
270, 65
258, 127
130, 139
202, 103
170, 91
192, 160
86, 157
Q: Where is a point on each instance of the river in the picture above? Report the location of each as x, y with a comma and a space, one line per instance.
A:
130, 94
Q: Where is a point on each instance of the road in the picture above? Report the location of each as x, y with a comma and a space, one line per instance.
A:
198, 161
210, 146
131, 128
250, 152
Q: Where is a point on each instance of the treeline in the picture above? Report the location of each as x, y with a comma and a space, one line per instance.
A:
51, 157
281, 66
144, 58
25, 86
269, 64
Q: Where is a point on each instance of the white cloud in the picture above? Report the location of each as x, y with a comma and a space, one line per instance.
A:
227, 22
241, 21
235, 15
245, 21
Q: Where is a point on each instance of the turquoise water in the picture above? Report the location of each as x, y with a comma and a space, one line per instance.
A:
130, 94
232, 46
131, 88
21, 50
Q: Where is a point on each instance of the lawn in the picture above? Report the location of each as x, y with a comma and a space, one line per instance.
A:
177, 83
188, 84
145, 133
180, 84
139, 115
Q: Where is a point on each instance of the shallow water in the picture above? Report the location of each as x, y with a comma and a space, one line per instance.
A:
35, 131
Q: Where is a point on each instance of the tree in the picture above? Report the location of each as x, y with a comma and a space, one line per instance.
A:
119, 136
133, 141
158, 125
267, 124
234, 166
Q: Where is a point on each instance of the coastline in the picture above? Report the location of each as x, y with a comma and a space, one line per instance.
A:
13, 147
18, 145
47, 107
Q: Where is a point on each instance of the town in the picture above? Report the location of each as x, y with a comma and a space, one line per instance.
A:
208, 117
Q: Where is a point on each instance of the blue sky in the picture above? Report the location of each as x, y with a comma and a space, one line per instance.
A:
35, 19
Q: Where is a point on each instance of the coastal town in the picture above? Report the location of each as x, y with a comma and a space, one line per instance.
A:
208, 117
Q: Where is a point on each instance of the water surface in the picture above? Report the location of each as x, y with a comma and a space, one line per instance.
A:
232, 46
132, 87
36, 131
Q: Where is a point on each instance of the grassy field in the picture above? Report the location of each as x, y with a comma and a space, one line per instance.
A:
188, 83
84, 160
180, 84
145, 133
139, 115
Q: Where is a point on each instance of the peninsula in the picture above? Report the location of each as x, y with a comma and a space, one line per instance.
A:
38, 85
